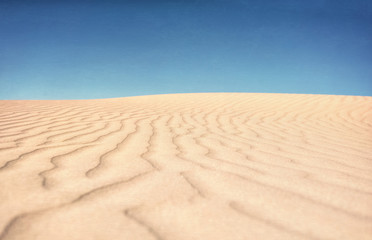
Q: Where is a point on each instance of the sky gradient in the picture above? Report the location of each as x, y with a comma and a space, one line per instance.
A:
102, 49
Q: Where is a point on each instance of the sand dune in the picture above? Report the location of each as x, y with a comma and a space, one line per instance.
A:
187, 166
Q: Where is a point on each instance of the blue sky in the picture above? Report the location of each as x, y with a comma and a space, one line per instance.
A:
101, 49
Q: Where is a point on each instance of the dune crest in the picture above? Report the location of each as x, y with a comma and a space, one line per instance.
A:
187, 166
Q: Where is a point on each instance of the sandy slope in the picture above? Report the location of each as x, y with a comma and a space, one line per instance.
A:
187, 166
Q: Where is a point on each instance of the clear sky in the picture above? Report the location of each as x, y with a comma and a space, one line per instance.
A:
100, 49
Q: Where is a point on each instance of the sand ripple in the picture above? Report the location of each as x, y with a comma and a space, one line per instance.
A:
187, 166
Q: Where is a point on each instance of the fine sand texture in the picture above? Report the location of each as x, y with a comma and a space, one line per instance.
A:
187, 166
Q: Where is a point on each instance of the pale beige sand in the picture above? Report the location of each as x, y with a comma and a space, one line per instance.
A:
187, 166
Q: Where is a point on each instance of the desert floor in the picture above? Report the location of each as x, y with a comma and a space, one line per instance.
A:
187, 166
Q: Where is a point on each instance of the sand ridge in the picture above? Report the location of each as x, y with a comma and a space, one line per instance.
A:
187, 166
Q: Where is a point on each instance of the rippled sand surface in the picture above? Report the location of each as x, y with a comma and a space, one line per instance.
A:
187, 166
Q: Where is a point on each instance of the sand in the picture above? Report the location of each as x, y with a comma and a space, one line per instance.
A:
187, 166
